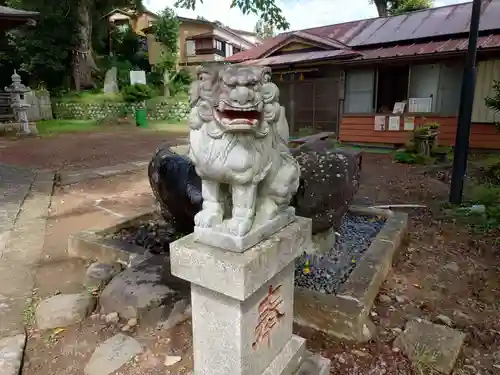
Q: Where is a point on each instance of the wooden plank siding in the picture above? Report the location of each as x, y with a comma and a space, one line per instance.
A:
360, 129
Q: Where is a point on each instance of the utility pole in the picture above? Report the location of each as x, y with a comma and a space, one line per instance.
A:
465, 110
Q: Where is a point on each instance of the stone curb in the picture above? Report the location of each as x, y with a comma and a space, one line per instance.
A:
346, 315
28, 234
93, 245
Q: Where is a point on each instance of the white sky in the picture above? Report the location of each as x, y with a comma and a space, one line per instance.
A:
300, 14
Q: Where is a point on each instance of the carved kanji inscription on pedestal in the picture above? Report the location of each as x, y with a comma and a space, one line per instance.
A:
269, 316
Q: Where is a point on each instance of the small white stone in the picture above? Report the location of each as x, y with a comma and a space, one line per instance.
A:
384, 299
112, 318
126, 328
400, 299
132, 322
172, 360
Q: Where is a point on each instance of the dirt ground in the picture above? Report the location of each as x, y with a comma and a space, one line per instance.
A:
84, 150
445, 269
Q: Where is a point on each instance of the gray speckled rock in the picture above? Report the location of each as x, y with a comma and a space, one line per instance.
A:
63, 310
112, 354
99, 274
11, 354
146, 291
434, 346
330, 178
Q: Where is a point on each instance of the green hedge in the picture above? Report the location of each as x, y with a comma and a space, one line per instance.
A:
157, 110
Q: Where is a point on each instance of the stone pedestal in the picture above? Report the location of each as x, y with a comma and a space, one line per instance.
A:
242, 305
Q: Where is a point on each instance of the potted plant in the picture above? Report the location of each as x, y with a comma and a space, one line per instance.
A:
425, 138
137, 94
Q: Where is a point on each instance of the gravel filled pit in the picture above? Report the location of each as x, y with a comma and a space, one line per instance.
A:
325, 273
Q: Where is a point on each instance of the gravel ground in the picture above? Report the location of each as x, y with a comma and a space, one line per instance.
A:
326, 273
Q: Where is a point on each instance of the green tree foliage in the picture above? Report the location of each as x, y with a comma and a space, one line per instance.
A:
264, 29
267, 10
126, 45
43, 53
394, 7
404, 6
166, 31
493, 102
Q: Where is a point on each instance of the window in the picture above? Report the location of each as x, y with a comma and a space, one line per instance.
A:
229, 49
218, 45
441, 82
359, 91
190, 48
392, 87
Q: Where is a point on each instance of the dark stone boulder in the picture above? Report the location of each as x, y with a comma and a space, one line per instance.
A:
176, 186
329, 180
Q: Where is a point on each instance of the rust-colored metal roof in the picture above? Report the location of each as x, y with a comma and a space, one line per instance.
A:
399, 51
414, 49
303, 56
452, 20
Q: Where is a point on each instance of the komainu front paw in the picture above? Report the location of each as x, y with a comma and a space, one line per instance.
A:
208, 218
239, 226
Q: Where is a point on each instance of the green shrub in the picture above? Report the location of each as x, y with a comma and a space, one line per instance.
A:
491, 167
136, 93
405, 157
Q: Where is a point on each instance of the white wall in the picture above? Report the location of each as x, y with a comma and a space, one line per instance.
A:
238, 42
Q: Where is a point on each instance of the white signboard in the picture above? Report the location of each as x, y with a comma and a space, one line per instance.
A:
416, 105
409, 123
394, 123
137, 76
379, 123
399, 107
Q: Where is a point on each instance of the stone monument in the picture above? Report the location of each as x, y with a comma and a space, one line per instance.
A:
18, 102
110, 81
240, 259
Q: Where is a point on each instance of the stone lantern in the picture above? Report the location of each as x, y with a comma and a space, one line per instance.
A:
18, 103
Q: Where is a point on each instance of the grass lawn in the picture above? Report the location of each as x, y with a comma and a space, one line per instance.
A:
53, 127
87, 97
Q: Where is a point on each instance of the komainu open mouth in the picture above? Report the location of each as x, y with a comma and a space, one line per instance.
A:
238, 117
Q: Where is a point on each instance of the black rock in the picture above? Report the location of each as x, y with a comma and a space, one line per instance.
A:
176, 186
329, 180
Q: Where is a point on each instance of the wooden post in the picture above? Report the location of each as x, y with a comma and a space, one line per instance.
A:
292, 105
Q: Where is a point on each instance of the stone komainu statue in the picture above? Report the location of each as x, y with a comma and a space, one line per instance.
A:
239, 139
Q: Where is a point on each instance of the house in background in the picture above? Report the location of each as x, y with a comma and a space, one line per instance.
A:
202, 41
349, 77
129, 17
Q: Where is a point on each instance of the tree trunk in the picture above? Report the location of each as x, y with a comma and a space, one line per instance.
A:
83, 60
381, 8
